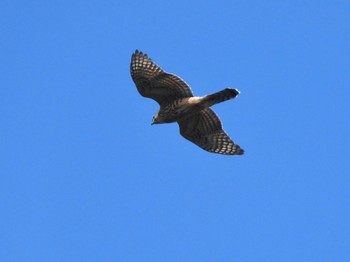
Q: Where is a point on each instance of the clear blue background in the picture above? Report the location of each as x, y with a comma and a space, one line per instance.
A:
85, 177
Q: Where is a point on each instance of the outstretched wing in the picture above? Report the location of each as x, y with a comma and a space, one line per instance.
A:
152, 82
205, 130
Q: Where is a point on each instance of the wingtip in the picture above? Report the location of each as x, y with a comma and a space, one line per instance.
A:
240, 152
139, 53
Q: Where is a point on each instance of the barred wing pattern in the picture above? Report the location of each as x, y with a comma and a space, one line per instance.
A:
153, 82
205, 130
202, 128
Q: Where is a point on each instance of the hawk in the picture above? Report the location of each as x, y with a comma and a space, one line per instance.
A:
198, 123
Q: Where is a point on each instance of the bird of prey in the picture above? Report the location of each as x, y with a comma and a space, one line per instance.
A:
198, 123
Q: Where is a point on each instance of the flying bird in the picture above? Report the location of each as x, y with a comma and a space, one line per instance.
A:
198, 123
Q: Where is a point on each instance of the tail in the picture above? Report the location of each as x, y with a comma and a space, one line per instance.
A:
226, 94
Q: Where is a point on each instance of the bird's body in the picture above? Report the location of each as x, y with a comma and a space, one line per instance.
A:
184, 107
178, 109
198, 123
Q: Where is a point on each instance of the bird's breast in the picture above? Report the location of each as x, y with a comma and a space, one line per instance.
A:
180, 108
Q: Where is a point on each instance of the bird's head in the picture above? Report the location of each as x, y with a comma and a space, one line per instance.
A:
155, 119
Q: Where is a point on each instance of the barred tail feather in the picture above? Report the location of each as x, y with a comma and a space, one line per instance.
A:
224, 95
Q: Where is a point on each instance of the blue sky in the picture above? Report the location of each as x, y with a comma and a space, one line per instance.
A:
85, 177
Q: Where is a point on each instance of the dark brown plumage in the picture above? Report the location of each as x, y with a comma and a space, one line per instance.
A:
198, 123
